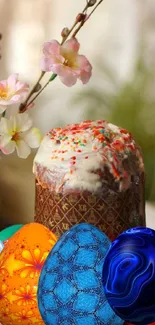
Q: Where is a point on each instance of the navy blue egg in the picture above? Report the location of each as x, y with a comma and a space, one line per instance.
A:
129, 276
70, 288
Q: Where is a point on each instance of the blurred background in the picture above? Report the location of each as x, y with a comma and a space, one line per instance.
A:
119, 41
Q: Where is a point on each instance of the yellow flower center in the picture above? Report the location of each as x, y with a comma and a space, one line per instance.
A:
4, 94
15, 137
66, 63
69, 59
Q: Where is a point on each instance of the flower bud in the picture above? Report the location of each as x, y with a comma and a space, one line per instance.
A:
65, 32
80, 17
91, 3
37, 88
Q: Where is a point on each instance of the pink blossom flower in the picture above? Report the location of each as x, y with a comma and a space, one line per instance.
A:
65, 61
12, 91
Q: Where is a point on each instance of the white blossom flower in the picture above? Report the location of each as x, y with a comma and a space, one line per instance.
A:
18, 133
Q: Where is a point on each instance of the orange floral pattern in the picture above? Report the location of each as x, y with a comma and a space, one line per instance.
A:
4, 292
21, 262
2, 267
25, 295
22, 315
4, 311
33, 263
5, 316
26, 317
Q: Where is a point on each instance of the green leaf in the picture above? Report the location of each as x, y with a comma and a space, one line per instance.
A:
53, 76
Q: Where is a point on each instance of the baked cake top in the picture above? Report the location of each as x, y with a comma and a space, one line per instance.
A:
83, 152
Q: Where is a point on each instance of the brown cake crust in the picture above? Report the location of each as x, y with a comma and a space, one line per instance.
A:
112, 211
72, 186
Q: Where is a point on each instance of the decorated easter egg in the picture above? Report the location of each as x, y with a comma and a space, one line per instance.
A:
1, 246
129, 275
9, 232
21, 262
70, 285
147, 324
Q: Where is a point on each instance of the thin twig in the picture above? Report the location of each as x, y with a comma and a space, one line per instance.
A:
94, 9
85, 9
78, 29
72, 28
39, 92
24, 105
84, 21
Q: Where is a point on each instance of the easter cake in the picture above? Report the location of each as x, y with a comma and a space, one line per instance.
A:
89, 172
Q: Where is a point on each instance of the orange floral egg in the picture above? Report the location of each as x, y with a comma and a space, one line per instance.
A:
21, 261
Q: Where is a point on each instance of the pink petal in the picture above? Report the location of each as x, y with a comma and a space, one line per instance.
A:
86, 69
67, 75
71, 45
16, 90
69, 80
51, 48
15, 99
61, 70
12, 80
22, 94
47, 64
84, 63
85, 77
22, 87
5, 102
3, 84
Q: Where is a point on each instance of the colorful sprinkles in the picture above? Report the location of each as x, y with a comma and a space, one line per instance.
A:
107, 144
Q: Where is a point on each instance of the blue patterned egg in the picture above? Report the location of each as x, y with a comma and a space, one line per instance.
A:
70, 288
129, 275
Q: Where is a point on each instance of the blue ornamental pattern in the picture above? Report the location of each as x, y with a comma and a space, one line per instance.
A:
129, 275
70, 287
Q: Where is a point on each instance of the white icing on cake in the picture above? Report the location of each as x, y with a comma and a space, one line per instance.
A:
78, 153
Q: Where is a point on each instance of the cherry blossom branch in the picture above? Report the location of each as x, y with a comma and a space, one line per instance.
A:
81, 19
95, 8
23, 106
47, 83
78, 29
87, 18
